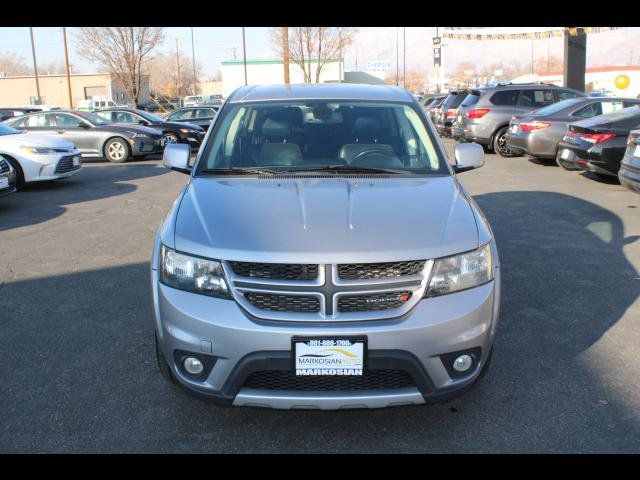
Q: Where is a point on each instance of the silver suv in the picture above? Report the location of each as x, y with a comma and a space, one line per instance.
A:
484, 115
324, 255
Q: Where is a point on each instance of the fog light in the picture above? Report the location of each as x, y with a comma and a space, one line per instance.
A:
462, 363
193, 366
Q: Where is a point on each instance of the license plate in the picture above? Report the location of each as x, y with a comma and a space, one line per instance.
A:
636, 153
4, 182
514, 129
76, 161
565, 154
329, 356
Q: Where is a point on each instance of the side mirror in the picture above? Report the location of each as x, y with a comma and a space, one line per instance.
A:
468, 156
143, 122
85, 125
176, 157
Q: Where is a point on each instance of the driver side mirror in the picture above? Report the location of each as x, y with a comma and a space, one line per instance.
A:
176, 157
143, 122
468, 156
84, 125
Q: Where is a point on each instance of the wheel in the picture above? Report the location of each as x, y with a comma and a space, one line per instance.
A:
117, 150
500, 143
165, 371
170, 137
19, 173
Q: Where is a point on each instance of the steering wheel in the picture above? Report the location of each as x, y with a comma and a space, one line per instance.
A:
370, 151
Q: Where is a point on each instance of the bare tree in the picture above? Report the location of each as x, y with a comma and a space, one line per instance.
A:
14, 64
121, 50
319, 45
162, 73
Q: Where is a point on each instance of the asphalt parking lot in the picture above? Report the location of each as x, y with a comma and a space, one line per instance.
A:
76, 336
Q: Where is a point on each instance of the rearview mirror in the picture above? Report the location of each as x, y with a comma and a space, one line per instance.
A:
468, 156
176, 157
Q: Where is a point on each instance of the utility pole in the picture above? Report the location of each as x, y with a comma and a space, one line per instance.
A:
404, 57
66, 61
35, 65
244, 55
437, 59
193, 57
397, 59
285, 53
531, 57
178, 69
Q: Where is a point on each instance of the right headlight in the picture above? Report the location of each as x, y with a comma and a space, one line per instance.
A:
460, 272
192, 274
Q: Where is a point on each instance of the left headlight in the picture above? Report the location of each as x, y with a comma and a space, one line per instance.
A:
193, 274
39, 150
460, 272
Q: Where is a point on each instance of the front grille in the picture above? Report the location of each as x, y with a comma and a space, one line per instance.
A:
283, 303
66, 164
368, 271
4, 165
275, 271
369, 380
372, 302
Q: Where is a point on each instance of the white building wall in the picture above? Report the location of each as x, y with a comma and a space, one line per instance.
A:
272, 72
601, 80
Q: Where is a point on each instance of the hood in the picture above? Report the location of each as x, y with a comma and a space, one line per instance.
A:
33, 139
183, 125
324, 220
112, 127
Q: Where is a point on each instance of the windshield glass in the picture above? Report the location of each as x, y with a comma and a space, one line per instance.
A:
320, 134
93, 118
149, 116
556, 107
7, 130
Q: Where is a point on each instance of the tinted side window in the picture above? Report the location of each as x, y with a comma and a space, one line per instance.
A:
535, 98
504, 97
589, 111
39, 120
205, 113
63, 120
183, 115
564, 94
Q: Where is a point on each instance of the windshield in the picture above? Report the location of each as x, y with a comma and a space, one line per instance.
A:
556, 107
297, 136
149, 116
7, 130
93, 118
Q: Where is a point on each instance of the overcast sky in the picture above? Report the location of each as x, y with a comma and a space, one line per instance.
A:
215, 44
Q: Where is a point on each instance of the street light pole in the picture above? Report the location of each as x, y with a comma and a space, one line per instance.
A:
404, 57
66, 61
193, 58
35, 65
244, 55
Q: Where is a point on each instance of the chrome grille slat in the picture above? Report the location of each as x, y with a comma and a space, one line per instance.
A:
368, 271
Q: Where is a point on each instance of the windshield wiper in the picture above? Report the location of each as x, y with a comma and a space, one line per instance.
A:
347, 169
241, 171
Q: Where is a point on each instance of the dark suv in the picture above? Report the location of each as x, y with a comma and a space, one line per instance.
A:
446, 112
484, 114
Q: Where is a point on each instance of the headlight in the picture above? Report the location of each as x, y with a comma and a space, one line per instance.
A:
459, 272
40, 150
186, 130
193, 274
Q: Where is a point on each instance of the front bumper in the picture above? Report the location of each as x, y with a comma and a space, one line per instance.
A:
241, 344
147, 146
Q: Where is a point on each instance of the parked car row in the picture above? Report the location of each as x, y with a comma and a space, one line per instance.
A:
579, 132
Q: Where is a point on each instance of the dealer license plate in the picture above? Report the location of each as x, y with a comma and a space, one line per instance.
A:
329, 356
4, 182
565, 154
636, 153
514, 129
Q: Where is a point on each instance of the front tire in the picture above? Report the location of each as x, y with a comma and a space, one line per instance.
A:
117, 150
500, 144
20, 182
170, 137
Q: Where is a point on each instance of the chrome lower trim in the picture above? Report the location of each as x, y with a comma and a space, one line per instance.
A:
328, 401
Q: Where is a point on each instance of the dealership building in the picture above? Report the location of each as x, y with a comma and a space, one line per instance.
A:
267, 72
21, 90
597, 78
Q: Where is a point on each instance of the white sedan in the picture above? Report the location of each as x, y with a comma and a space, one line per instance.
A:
38, 157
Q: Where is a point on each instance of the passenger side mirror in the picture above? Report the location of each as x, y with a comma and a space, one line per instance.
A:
143, 122
176, 157
468, 156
